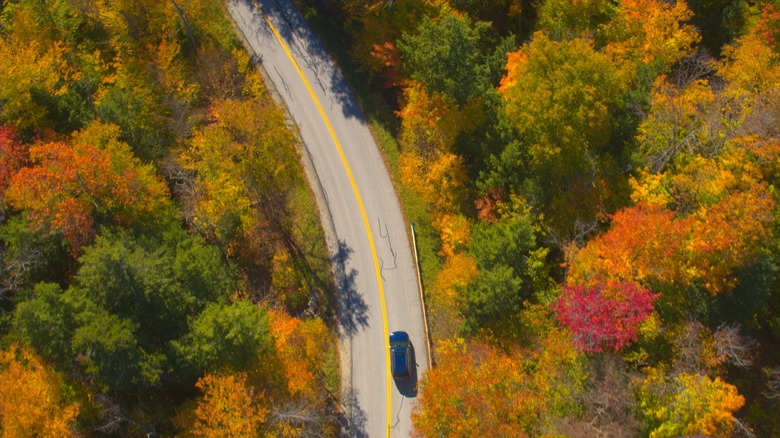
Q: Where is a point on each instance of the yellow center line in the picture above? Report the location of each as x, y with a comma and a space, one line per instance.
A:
360, 205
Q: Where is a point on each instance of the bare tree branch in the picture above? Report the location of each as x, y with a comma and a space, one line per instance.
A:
773, 383
734, 348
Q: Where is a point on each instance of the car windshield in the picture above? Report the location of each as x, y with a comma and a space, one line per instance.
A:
399, 337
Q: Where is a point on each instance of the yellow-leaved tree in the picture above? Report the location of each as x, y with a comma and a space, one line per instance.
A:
688, 404
31, 64
229, 406
32, 400
651, 32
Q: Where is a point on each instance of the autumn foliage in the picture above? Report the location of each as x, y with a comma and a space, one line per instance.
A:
445, 297
242, 155
375, 25
477, 390
74, 186
150, 196
752, 62
649, 169
228, 407
301, 351
605, 316
650, 243
32, 401
31, 63
689, 405
593, 193
13, 155
650, 32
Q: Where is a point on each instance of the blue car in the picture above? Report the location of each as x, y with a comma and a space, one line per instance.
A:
400, 355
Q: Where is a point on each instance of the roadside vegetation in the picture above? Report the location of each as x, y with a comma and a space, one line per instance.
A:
162, 267
594, 182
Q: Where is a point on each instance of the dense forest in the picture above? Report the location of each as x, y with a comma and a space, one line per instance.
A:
162, 270
594, 185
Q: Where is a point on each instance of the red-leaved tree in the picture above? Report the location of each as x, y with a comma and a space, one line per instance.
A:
605, 316
13, 155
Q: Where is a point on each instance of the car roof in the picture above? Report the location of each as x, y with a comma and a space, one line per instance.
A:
399, 337
399, 360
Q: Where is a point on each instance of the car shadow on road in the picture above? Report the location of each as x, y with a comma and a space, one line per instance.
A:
408, 387
353, 311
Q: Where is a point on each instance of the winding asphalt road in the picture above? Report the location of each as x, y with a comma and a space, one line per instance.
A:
367, 236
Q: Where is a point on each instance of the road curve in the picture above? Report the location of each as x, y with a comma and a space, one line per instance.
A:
368, 240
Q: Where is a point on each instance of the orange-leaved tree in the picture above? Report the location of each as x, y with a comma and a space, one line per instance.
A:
476, 389
479, 389
93, 179
652, 32
643, 242
730, 234
430, 123
228, 406
301, 351
32, 401
305, 356
697, 221
649, 243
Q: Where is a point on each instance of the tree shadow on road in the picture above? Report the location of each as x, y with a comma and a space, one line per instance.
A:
353, 425
303, 41
353, 311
